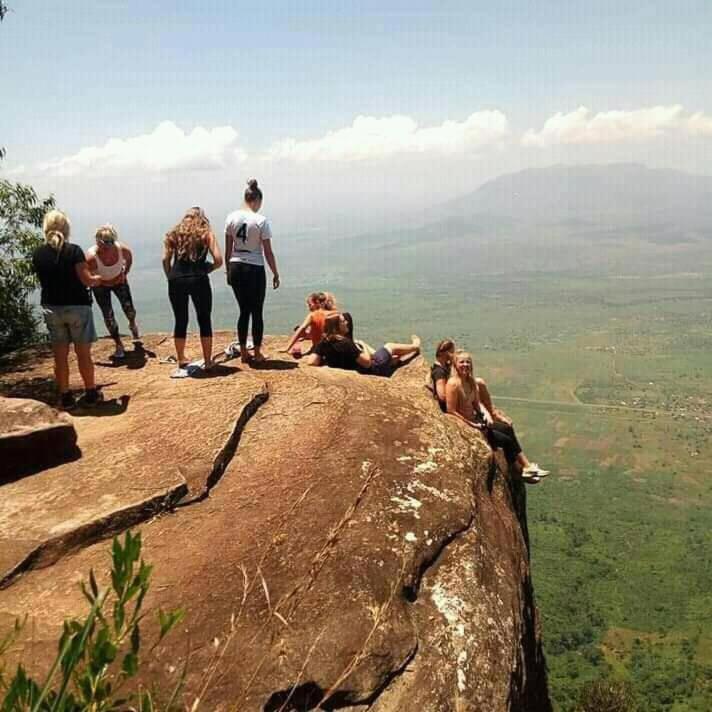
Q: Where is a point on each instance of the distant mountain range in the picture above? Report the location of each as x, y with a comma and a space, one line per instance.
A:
597, 196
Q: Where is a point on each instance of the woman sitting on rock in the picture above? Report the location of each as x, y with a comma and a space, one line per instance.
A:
66, 305
337, 349
185, 252
112, 262
440, 372
321, 305
469, 400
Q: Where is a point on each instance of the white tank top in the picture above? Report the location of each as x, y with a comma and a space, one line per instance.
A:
108, 271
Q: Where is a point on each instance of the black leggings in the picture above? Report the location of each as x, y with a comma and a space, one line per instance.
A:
249, 283
501, 435
198, 289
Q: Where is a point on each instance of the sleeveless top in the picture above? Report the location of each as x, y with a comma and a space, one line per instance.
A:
108, 271
185, 267
316, 328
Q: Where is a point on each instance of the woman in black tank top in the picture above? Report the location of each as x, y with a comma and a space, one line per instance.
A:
185, 252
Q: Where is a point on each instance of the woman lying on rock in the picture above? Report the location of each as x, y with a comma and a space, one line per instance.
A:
337, 349
469, 400
321, 305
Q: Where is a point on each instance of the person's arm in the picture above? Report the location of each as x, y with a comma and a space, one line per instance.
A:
440, 389
313, 360
271, 261
299, 333
86, 277
167, 258
91, 262
452, 403
128, 259
215, 253
485, 401
228, 252
364, 359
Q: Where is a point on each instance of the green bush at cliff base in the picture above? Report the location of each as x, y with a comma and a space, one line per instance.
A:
21, 214
608, 695
98, 655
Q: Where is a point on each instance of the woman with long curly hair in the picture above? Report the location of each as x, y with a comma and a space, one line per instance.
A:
185, 252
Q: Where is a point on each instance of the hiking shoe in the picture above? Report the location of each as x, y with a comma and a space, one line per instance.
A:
67, 401
93, 396
119, 353
180, 372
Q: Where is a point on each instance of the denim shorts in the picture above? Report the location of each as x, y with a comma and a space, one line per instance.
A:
381, 363
70, 324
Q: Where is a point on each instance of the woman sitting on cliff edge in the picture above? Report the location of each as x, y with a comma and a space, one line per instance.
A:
469, 400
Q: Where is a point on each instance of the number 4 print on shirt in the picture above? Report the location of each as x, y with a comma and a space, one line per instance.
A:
242, 233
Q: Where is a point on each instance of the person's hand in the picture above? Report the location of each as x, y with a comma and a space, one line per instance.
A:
487, 417
501, 418
275, 281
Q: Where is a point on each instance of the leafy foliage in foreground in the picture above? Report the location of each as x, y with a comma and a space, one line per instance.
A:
98, 655
21, 214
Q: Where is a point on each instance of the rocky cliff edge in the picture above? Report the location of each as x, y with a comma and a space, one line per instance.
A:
335, 540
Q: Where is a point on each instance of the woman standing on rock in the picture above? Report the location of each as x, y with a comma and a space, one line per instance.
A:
248, 242
468, 399
112, 262
66, 305
185, 252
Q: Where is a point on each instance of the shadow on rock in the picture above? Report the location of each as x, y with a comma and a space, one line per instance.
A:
302, 698
132, 361
49, 458
114, 406
270, 364
217, 371
40, 388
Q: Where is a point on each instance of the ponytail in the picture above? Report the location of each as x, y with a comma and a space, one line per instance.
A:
55, 239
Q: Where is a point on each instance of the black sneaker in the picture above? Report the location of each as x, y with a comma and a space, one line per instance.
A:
92, 397
67, 402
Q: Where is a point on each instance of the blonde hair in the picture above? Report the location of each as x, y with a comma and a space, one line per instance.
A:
107, 233
56, 228
190, 237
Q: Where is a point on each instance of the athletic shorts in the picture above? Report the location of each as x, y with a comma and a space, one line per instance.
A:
70, 324
381, 363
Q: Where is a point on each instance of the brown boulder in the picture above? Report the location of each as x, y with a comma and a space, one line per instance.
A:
342, 543
33, 436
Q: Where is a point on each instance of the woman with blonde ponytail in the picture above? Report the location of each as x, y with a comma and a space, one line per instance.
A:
66, 305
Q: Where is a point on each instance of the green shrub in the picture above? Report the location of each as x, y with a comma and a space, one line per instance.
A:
606, 695
99, 655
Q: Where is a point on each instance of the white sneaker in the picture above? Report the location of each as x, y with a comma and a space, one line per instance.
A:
232, 350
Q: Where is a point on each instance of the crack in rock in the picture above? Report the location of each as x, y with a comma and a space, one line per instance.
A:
52, 550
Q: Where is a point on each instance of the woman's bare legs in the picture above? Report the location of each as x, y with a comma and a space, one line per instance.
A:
180, 351
86, 365
206, 343
397, 351
61, 367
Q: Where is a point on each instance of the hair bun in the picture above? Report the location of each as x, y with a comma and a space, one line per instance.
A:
252, 183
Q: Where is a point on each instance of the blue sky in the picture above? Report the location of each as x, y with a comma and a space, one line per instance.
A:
86, 71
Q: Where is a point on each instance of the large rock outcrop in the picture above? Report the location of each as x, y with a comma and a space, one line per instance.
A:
336, 542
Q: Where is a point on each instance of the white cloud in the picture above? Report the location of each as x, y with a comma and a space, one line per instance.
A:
167, 149
699, 125
580, 127
372, 138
